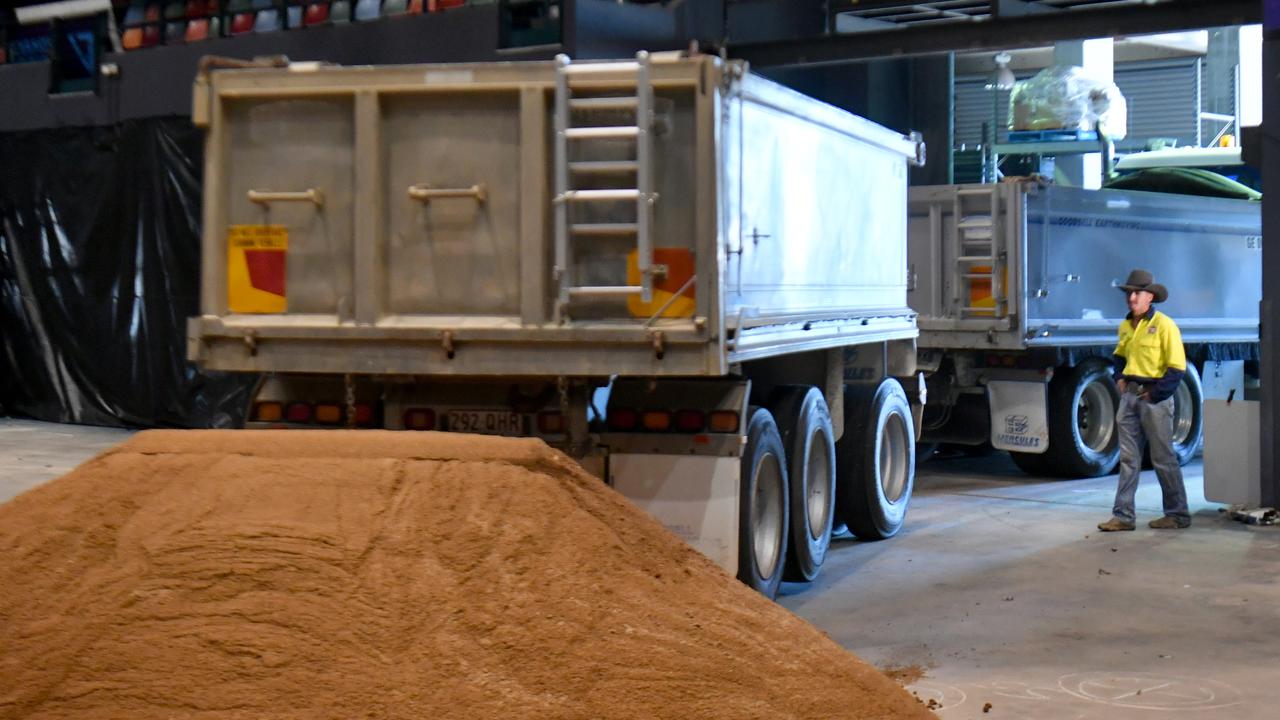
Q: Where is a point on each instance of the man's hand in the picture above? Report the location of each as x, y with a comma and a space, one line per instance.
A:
1120, 385
1147, 396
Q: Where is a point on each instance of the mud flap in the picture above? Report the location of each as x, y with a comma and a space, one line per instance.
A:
1019, 416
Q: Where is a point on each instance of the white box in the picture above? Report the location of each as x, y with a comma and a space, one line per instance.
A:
1232, 475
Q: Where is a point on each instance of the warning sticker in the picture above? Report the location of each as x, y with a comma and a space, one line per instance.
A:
256, 256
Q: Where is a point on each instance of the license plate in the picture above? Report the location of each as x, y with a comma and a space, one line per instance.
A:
486, 422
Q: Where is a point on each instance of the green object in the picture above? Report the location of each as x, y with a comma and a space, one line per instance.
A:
1184, 181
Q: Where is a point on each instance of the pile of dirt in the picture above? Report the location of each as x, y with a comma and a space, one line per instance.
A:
276, 574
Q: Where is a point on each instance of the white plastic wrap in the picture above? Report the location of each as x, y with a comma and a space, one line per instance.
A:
1066, 97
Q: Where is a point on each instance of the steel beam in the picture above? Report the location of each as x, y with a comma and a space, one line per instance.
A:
1269, 419
1002, 33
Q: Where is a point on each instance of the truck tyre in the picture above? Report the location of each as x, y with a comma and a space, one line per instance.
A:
875, 460
1031, 463
1188, 416
763, 507
1083, 401
804, 423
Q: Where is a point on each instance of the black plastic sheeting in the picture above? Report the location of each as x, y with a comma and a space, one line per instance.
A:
99, 270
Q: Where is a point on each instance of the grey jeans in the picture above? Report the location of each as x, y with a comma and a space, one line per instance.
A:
1140, 423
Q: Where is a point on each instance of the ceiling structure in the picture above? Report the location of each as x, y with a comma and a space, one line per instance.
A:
885, 28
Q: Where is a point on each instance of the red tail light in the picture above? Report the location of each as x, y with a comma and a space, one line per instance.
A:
723, 421
550, 423
298, 412
420, 419
690, 421
268, 412
328, 414
656, 420
622, 420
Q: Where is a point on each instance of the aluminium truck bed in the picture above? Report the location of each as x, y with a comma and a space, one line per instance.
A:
1044, 273
403, 221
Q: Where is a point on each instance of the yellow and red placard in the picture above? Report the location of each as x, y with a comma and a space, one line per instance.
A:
256, 268
680, 267
980, 290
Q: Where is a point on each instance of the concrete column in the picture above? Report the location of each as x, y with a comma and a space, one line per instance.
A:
1098, 59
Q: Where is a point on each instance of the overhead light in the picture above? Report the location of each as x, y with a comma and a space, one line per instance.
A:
1002, 78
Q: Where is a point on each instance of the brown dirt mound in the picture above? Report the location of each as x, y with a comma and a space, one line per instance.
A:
276, 574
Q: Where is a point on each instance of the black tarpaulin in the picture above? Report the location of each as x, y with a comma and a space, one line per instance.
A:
99, 270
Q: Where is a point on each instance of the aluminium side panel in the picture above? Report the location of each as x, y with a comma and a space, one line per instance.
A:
815, 240
1081, 244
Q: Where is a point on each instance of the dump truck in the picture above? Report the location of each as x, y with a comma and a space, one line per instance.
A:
1016, 287
688, 277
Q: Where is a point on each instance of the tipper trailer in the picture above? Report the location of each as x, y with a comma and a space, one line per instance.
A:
1016, 286
689, 277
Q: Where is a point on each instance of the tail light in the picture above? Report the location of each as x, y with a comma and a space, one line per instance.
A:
622, 420
657, 420
723, 421
550, 423
690, 421
298, 412
328, 414
268, 412
420, 419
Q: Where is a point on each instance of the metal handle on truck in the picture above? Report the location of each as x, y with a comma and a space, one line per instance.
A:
311, 195
425, 193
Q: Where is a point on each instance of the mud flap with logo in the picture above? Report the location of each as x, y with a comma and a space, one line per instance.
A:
1019, 416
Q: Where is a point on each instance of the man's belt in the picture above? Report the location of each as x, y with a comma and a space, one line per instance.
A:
1133, 387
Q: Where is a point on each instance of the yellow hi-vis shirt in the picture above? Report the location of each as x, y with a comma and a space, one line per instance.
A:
1152, 347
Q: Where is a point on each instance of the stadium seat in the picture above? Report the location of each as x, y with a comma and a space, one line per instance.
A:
394, 7
340, 11
266, 21
132, 38
367, 9
415, 7
317, 14
150, 36
175, 32
135, 15
197, 30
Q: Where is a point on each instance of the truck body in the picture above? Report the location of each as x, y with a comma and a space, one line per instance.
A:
1016, 286
631, 260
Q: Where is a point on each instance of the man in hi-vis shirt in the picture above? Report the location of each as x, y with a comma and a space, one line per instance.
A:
1149, 363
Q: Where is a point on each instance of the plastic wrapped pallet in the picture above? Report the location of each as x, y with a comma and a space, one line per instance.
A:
1066, 97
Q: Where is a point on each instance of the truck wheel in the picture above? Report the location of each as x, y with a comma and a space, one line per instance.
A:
1083, 441
763, 508
875, 460
805, 424
1188, 416
1031, 463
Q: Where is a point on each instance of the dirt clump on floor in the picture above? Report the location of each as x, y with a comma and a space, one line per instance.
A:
278, 574
904, 674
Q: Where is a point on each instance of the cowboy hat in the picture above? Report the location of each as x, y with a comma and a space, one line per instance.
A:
1140, 279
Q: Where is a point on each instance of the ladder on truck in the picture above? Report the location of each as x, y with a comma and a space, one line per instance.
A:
976, 247
634, 177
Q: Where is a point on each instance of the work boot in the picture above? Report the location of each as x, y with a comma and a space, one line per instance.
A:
1115, 525
1168, 522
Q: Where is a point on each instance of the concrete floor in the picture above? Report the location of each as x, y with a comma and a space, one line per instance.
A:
1001, 590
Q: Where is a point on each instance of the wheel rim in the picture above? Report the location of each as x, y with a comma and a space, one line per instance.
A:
1183, 414
1096, 416
894, 458
818, 502
766, 515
